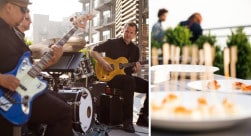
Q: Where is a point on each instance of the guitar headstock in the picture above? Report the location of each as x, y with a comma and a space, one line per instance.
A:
80, 21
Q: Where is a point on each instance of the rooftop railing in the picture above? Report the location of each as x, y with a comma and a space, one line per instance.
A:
222, 33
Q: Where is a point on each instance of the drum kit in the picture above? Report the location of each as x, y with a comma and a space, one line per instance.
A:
78, 96
81, 102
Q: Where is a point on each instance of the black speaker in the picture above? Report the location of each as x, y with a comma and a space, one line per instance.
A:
110, 109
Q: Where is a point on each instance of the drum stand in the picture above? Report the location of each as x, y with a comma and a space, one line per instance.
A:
56, 80
69, 62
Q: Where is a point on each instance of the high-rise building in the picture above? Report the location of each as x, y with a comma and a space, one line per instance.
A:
110, 18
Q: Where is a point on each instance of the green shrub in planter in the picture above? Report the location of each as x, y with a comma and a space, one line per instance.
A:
211, 39
218, 60
179, 36
155, 43
243, 66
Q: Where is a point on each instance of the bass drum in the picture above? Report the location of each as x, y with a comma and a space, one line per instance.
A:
81, 101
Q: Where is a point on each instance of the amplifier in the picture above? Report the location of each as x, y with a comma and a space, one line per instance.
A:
110, 109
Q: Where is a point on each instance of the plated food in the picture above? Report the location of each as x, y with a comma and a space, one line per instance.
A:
193, 110
241, 86
238, 86
213, 85
173, 106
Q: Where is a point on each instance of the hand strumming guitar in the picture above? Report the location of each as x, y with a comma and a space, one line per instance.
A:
137, 67
9, 81
106, 66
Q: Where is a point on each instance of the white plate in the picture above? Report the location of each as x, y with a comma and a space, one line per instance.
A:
184, 68
190, 98
225, 85
161, 73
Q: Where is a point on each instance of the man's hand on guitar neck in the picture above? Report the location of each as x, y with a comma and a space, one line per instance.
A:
137, 67
57, 53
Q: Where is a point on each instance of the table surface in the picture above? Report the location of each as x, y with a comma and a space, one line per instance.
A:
241, 129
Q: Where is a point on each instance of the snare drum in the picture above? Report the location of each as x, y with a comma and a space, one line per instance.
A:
81, 101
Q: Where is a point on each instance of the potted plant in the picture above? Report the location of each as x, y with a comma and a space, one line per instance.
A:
179, 36
211, 39
243, 66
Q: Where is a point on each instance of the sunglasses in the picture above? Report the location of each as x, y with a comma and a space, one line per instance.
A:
23, 9
27, 19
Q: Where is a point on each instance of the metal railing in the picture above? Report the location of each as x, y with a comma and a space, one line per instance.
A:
222, 33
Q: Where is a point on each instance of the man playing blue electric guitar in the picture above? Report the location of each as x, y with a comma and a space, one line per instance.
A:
115, 49
23, 97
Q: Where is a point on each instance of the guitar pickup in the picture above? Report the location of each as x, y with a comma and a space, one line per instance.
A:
23, 87
5, 104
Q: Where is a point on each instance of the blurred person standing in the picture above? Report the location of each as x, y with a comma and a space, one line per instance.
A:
158, 32
193, 23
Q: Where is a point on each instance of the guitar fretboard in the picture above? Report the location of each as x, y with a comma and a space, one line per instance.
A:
134, 63
39, 66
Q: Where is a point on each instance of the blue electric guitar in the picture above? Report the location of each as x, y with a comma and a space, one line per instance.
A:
16, 106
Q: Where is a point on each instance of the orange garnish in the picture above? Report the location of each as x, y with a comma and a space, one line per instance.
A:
214, 85
245, 88
156, 107
229, 106
169, 97
237, 85
202, 100
182, 110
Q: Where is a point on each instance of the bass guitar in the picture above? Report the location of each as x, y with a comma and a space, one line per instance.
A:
118, 66
15, 106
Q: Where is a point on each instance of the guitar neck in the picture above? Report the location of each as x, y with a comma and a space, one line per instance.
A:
63, 40
134, 63
39, 66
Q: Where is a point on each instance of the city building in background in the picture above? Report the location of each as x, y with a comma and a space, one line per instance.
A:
110, 18
44, 29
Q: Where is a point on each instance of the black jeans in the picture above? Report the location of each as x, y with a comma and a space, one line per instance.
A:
52, 110
130, 84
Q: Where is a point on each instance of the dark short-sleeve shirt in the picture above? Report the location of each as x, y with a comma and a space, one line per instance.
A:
11, 47
115, 48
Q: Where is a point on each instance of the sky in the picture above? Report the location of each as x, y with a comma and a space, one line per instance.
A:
57, 9
215, 13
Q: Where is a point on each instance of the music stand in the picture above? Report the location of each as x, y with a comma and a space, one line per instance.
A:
67, 63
